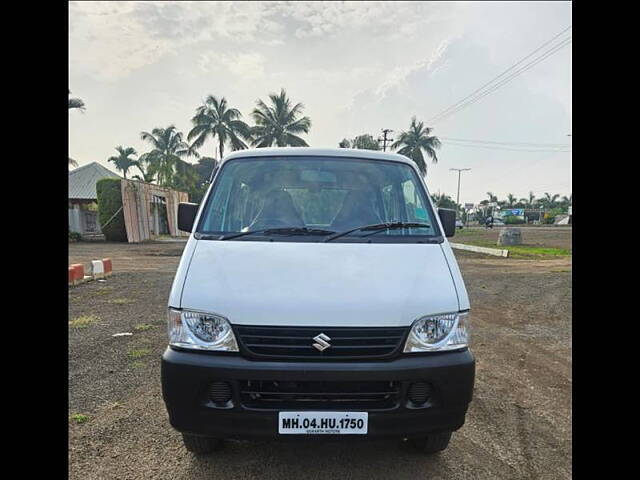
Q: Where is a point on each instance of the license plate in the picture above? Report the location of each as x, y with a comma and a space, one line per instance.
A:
323, 423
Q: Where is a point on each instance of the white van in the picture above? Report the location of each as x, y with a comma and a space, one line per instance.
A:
317, 295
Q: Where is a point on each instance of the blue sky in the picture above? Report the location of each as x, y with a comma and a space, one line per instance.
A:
356, 66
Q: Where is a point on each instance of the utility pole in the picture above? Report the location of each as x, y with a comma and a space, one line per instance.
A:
384, 140
459, 170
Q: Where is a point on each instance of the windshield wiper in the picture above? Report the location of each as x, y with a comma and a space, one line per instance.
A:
280, 230
378, 227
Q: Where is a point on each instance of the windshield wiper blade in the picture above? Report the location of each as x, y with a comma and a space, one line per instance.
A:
280, 230
378, 227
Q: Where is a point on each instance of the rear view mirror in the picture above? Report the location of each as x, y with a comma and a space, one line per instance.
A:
448, 220
186, 216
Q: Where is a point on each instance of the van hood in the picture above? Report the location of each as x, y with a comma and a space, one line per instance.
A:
319, 284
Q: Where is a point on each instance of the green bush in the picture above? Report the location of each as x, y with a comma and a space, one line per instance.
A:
513, 220
109, 202
74, 236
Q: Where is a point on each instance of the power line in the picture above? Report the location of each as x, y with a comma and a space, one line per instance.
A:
488, 147
449, 110
495, 87
466, 140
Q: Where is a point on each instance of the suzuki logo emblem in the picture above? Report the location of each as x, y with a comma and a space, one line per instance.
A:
323, 342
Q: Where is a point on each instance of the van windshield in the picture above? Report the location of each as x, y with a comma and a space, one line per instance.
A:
321, 193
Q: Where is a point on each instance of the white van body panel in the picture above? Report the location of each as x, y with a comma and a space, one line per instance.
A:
181, 273
461, 290
316, 284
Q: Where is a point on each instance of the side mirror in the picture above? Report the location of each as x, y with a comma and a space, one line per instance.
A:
186, 216
448, 220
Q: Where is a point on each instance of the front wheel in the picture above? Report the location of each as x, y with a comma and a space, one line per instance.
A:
433, 443
201, 445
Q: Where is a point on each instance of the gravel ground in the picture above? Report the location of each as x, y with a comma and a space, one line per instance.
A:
518, 425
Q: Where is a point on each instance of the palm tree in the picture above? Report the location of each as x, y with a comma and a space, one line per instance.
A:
76, 103
122, 160
79, 104
412, 142
511, 200
344, 143
549, 201
164, 161
216, 120
279, 123
492, 198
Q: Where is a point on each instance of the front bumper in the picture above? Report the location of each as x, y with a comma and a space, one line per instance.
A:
185, 375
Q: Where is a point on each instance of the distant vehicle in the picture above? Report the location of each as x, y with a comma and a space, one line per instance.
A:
459, 224
498, 222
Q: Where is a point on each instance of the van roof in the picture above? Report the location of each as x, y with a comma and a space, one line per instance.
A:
324, 152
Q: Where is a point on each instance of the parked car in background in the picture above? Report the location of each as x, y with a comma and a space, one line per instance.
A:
459, 224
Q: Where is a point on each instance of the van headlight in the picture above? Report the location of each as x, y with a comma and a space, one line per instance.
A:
449, 331
200, 331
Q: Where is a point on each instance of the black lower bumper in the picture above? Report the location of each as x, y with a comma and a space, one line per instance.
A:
186, 376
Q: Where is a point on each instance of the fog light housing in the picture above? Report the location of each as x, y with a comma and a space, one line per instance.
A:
420, 394
220, 394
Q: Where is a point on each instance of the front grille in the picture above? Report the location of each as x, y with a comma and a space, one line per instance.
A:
279, 395
297, 342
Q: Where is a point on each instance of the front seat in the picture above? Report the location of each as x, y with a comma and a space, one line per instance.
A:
278, 210
358, 209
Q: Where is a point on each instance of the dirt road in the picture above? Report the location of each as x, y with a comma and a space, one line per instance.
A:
518, 425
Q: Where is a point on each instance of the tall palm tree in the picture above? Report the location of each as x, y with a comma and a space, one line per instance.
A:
492, 198
122, 160
164, 161
76, 103
215, 119
511, 199
279, 123
416, 140
532, 199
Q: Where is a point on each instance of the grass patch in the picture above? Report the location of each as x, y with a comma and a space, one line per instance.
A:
136, 364
142, 327
139, 353
522, 251
78, 418
83, 321
121, 301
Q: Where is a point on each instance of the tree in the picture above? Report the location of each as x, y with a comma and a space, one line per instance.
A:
549, 201
76, 103
344, 143
365, 142
79, 104
164, 160
440, 200
492, 197
532, 199
215, 119
416, 140
279, 123
511, 200
122, 160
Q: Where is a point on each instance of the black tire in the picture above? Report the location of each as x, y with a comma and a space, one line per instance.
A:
201, 445
433, 443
